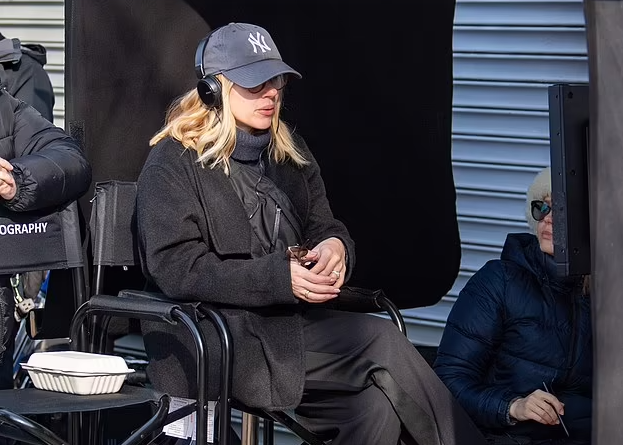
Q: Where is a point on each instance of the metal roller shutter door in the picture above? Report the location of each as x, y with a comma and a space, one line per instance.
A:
506, 53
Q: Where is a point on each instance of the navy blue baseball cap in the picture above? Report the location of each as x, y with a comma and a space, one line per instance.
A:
245, 54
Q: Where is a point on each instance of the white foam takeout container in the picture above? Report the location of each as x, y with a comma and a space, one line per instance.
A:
77, 372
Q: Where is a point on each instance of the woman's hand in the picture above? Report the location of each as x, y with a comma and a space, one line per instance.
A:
310, 286
323, 280
539, 406
330, 260
7, 181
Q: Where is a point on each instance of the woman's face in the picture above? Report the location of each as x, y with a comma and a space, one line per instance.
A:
544, 231
254, 108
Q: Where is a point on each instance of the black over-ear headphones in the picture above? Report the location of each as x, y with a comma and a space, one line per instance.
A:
208, 87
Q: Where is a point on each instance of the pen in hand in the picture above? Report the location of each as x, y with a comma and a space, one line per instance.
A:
559, 418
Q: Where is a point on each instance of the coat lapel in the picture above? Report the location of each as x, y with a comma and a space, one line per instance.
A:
228, 226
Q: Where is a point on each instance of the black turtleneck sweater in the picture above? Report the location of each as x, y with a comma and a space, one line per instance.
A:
269, 210
249, 147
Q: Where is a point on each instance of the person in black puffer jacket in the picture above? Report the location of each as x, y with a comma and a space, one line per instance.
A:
40, 167
23, 75
22, 71
517, 327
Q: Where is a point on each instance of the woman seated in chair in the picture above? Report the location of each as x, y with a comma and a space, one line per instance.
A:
517, 349
227, 199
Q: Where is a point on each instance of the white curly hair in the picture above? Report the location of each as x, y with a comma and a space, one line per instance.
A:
540, 189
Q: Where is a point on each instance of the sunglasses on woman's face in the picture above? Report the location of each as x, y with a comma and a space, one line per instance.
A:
540, 209
277, 82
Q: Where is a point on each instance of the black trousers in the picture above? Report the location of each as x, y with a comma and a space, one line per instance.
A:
367, 385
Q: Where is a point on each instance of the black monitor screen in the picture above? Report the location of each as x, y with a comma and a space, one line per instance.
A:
568, 119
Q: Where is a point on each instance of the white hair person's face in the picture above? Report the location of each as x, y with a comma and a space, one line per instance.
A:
254, 108
544, 230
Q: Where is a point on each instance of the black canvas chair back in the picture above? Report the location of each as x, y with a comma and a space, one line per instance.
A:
113, 237
115, 257
47, 239
112, 225
40, 240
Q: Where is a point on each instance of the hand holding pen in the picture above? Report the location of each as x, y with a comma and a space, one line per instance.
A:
564, 427
540, 406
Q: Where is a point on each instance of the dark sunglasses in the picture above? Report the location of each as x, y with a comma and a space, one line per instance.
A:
540, 209
298, 252
277, 82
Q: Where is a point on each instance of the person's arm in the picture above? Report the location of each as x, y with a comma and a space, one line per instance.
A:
49, 167
468, 346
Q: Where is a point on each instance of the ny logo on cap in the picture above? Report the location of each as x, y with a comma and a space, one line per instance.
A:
258, 42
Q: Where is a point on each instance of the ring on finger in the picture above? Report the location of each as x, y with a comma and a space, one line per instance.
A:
307, 293
337, 273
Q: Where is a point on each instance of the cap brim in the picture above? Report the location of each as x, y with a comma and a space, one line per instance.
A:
256, 73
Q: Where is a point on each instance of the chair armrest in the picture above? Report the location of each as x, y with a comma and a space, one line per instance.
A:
135, 304
358, 299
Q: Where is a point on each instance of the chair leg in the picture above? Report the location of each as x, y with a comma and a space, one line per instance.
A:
268, 432
250, 429
298, 429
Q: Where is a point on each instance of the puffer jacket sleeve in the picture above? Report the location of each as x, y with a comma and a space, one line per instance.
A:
470, 339
49, 167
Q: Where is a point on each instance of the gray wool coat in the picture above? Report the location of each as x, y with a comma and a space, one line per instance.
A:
195, 245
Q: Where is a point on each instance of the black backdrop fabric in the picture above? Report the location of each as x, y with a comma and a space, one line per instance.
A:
374, 105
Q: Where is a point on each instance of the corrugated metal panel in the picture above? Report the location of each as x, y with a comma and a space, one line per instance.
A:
520, 68
506, 95
488, 232
508, 123
493, 205
520, 13
506, 54
519, 40
493, 178
41, 22
499, 150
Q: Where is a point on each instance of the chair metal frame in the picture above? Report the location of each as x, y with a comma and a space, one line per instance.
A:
147, 306
27, 430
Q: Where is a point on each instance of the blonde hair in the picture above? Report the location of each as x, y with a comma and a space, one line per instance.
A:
211, 132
